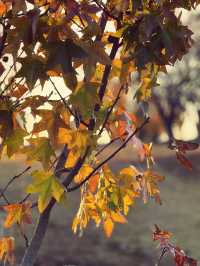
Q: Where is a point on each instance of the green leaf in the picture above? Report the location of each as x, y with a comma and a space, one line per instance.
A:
47, 186
40, 150
85, 98
15, 141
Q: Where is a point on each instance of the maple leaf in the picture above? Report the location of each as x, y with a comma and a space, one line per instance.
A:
118, 217
33, 69
108, 226
181, 147
3, 8
184, 161
60, 59
96, 50
177, 253
149, 187
74, 138
85, 98
18, 213
7, 250
77, 141
47, 186
85, 170
39, 149
51, 121
15, 141
93, 183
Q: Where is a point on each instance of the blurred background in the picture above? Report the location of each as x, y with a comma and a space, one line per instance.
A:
175, 111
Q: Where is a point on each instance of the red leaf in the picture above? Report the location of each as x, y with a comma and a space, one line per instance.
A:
183, 160
182, 146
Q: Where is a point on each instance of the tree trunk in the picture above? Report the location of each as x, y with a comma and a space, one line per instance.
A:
31, 253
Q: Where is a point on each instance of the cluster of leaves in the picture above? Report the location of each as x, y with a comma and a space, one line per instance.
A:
108, 196
69, 40
179, 256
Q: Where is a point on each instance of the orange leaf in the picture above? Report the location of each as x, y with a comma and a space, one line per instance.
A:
18, 213
93, 183
3, 9
108, 226
159, 234
7, 250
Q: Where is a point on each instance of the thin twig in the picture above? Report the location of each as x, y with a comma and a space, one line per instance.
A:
79, 26
106, 146
25, 198
12, 180
105, 10
64, 102
110, 111
23, 235
102, 25
110, 156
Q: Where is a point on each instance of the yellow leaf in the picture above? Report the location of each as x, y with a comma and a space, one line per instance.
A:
76, 139
7, 245
130, 171
64, 136
144, 92
108, 226
85, 170
118, 217
71, 159
57, 189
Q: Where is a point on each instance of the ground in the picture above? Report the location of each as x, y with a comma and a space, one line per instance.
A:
131, 243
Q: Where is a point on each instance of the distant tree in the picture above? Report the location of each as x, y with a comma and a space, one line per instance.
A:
179, 87
86, 44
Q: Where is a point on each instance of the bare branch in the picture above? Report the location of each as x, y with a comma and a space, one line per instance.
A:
13, 179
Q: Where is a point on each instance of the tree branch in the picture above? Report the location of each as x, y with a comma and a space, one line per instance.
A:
107, 145
75, 169
12, 180
38, 235
41, 227
65, 104
108, 69
110, 110
110, 156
